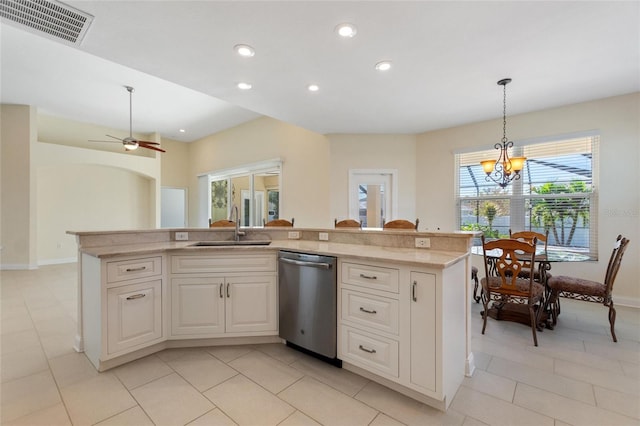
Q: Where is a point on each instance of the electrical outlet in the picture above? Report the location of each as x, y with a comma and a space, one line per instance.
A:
294, 235
323, 236
423, 242
182, 236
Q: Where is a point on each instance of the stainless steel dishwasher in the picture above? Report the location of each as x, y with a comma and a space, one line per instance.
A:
307, 297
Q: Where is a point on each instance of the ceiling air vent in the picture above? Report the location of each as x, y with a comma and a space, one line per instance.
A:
48, 18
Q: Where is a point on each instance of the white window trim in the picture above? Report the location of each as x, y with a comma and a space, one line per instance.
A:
392, 200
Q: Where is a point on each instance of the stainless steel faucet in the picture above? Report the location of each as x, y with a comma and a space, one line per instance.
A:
238, 233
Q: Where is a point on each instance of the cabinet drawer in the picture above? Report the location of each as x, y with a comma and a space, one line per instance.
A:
135, 268
371, 311
370, 276
223, 263
370, 351
134, 316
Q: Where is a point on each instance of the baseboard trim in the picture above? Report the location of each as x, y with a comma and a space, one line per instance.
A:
57, 261
17, 267
631, 302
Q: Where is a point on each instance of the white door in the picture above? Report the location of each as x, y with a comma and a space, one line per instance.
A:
372, 196
134, 315
173, 207
423, 330
251, 304
197, 306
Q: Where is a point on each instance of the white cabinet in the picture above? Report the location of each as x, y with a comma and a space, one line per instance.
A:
122, 305
423, 330
134, 315
197, 306
403, 326
221, 294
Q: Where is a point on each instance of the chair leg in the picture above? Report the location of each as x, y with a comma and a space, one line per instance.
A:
612, 321
554, 304
474, 277
485, 313
534, 323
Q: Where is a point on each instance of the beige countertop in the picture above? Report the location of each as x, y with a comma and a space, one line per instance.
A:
422, 257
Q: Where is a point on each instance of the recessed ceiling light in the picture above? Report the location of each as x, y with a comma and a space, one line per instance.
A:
383, 66
346, 30
244, 86
182, 130
244, 50
313, 87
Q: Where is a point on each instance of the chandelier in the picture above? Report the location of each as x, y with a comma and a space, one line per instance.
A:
505, 169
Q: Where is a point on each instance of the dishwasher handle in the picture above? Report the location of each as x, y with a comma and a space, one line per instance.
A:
321, 265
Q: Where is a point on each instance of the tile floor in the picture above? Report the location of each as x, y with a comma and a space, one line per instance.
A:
577, 376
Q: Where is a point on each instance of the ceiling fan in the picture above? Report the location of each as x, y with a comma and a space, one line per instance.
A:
130, 143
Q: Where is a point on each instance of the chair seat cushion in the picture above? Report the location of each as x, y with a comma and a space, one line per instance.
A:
522, 287
577, 285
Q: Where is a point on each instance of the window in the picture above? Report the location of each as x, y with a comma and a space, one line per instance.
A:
244, 187
556, 192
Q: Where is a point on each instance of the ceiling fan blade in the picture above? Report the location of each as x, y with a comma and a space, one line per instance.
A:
120, 139
149, 143
96, 140
143, 145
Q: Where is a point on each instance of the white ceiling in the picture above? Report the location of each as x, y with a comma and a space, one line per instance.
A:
447, 58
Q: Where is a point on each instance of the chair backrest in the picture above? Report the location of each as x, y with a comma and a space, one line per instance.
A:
278, 222
400, 224
528, 236
614, 263
222, 223
347, 223
514, 254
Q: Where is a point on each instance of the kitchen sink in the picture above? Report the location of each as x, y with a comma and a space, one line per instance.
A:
230, 243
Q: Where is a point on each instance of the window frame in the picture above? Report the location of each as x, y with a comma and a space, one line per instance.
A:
515, 194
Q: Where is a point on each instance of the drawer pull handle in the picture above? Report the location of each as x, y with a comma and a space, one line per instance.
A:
136, 296
368, 277
370, 351
367, 311
142, 268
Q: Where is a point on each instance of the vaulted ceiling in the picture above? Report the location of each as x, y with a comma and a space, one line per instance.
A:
446, 59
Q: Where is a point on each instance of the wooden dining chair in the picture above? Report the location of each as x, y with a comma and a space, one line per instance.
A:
222, 223
347, 223
529, 236
587, 290
278, 222
400, 224
506, 288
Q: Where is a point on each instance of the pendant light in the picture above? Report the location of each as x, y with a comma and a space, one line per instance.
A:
505, 169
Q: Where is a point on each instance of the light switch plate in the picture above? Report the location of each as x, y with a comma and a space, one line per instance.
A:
182, 236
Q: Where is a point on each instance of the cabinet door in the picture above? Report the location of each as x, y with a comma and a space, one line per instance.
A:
197, 306
251, 304
134, 315
423, 330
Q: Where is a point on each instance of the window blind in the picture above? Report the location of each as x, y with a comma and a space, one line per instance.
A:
556, 192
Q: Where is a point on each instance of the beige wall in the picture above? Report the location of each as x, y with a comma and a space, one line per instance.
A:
617, 119
18, 198
373, 152
305, 156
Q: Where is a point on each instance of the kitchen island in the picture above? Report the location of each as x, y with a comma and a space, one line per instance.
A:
408, 328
